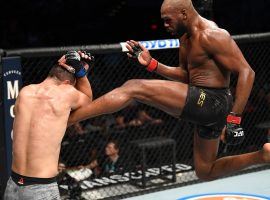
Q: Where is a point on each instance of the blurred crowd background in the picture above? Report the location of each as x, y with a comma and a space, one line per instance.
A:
43, 23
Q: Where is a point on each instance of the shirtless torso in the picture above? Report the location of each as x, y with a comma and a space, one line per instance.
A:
200, 65
41, 115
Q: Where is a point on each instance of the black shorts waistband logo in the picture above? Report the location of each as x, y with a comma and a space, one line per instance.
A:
21, 181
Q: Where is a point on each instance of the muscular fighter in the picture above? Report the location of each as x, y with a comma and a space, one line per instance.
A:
41, 115
198, 89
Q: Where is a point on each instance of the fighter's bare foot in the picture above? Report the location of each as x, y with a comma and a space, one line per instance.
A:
266, 152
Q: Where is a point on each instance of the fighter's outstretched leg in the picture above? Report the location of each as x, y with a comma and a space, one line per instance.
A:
166, 95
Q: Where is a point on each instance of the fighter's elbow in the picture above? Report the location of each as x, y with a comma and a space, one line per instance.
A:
89, 97
86, 101
86, 104
252, 73
248, 74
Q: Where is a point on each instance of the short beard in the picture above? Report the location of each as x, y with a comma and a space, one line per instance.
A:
180, 31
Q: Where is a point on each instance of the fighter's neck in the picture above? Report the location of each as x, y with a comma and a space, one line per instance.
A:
51, 81
195, 24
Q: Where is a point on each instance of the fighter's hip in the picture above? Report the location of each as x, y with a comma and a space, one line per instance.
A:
207, 107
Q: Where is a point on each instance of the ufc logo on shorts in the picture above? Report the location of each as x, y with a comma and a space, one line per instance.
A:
238, 134
201, 98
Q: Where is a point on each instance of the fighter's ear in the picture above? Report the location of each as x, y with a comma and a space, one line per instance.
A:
184, 13
67, 82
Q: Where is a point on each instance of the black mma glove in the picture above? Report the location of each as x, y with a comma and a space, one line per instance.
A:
90, 61
74, 59
136, 53
234, 133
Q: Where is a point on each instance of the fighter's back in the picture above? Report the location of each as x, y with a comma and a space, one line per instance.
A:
41, 114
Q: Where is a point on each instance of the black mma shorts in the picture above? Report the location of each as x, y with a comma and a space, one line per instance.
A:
208, 109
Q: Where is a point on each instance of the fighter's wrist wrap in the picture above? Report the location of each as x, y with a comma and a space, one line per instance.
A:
234, 133
234, 118
80, 73
152, 66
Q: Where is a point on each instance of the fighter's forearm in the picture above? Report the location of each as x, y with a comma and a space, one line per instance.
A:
172, 73
84, 86
243, 89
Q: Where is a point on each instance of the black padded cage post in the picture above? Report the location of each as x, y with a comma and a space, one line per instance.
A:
3, 175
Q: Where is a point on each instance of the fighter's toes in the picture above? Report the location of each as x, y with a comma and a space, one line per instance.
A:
266, 152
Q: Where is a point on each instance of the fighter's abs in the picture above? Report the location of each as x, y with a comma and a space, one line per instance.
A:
204, 71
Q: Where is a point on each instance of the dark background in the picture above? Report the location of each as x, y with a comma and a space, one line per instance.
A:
41, 23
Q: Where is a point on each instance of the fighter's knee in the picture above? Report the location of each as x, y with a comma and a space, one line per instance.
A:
135, 85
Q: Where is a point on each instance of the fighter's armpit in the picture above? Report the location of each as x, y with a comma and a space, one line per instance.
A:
76, 116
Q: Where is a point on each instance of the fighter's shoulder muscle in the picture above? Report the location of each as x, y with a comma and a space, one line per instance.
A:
72, 94
69, 91
213, 39
26, 90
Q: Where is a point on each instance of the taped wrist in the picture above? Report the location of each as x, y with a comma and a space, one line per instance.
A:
234, 134
81, 73
233, 118
152, 66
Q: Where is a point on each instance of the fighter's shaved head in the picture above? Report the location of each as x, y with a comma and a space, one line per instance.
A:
177, 4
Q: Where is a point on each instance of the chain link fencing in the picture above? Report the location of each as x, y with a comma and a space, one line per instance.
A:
86, 165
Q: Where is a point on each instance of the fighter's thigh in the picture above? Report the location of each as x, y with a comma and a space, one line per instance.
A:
205, 153
41, 192
169, 96
11, 192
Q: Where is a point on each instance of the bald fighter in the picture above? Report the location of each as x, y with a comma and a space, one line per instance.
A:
198, 89
41, 115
